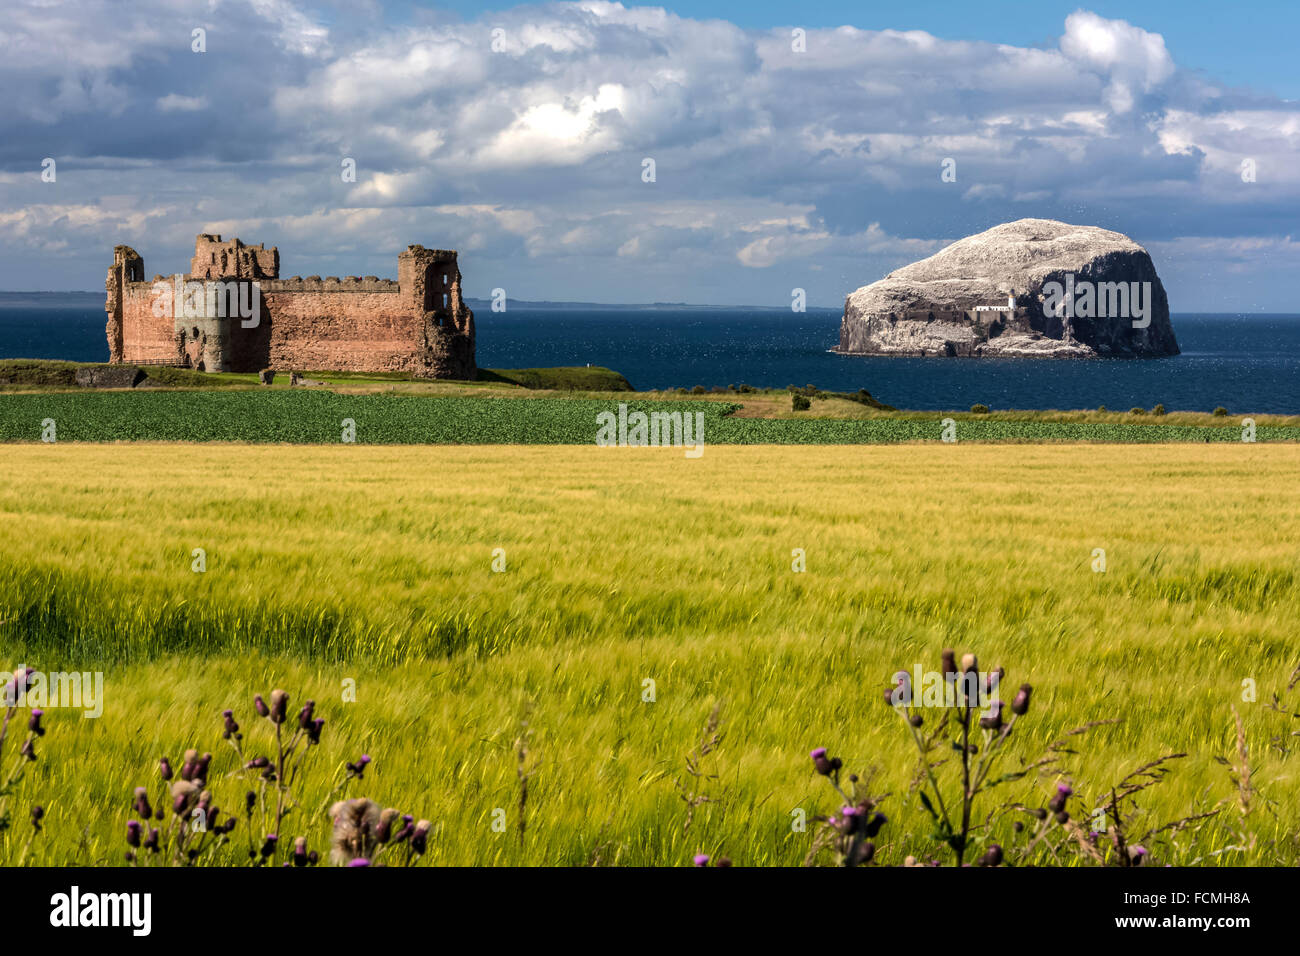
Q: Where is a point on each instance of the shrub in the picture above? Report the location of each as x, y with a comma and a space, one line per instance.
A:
1158, 410
1137, 411
1101, 408
961, 740
1221, 411
800, 403
11, 696
698, 390
197, 830
979, 409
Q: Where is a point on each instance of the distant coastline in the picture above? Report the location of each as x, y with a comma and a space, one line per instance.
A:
39, 299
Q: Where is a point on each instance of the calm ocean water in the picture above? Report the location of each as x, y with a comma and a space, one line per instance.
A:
1245, 363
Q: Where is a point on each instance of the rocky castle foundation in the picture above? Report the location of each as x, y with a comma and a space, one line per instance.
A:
233, 313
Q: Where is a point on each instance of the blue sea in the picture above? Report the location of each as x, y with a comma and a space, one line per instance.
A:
1246, 363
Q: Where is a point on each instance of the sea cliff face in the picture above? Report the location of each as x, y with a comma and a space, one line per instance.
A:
1033, 288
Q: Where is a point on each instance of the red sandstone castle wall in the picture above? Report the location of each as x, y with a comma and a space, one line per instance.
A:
146, 338
346, 331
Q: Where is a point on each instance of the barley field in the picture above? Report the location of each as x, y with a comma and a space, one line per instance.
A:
624, 629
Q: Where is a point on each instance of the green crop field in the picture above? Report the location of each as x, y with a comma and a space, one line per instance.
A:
319, 416
634, 592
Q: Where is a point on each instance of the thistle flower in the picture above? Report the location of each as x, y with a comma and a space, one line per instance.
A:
1057, 803
916, 720
231, 726
949, 658
250, 801
184, 792
723, 861
300, 851
1021, 704
259, 705
279, 706
38, 814
201, 767
354, 829
823, 764
359, 768
994, 719
873, 825
992, 856
994, 680
384, 829
141, 803
849, 820
420, 836
151, 841
34, 722
189, 764
17, 687
268, 845
701, 859
359, 861
133, 833
165, 768
305, 715
314, 729
1137, 854
864, 852
968, 663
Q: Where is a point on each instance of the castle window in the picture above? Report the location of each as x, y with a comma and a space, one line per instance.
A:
444, 300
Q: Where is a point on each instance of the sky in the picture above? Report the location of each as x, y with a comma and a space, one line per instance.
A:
793, 146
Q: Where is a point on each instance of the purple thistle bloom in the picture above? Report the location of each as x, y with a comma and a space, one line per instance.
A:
141, 804
701, 859
165, 768
992, 856
133, 833
34, 722
823, 765
359, 768
359, 861
259, 705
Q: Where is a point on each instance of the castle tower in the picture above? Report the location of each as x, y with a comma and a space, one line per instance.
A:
430, 282
127, 266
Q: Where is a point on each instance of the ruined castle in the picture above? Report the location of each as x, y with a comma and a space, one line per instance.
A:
233, 313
